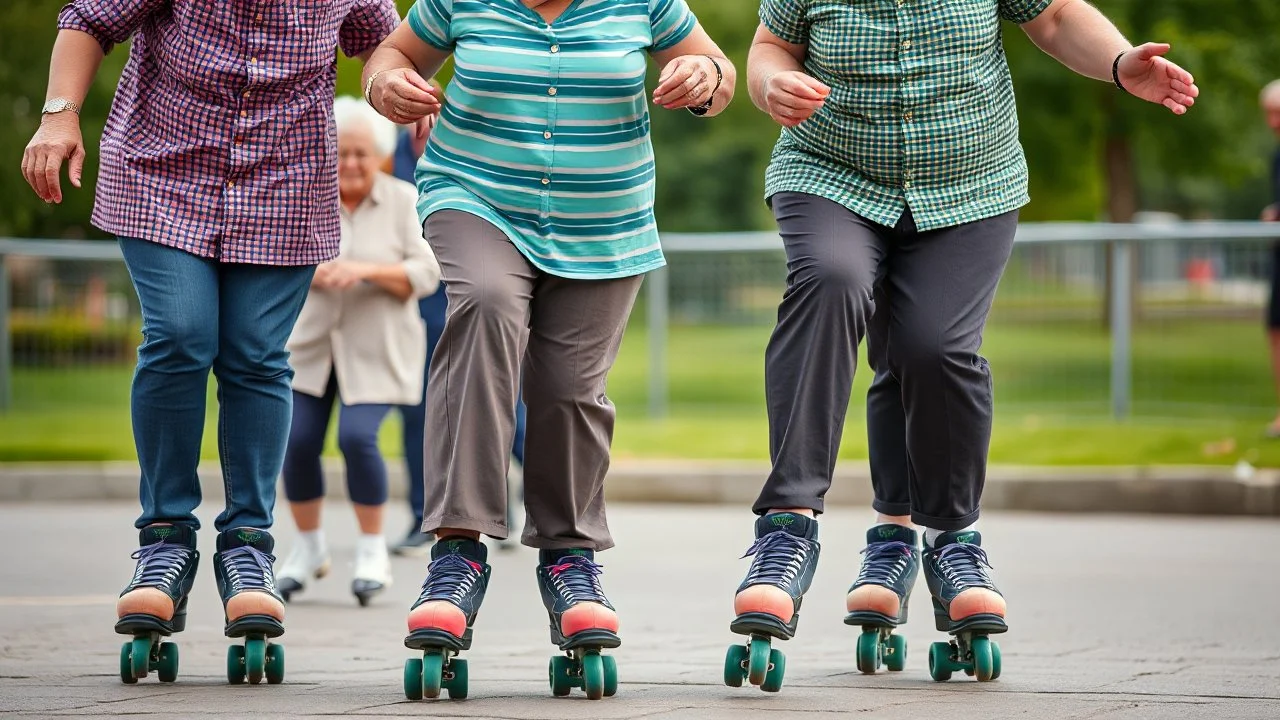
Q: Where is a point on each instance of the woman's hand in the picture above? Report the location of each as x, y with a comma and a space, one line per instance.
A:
791, 97
338, 275
56, 141
687, 81
1147, 75
402, 96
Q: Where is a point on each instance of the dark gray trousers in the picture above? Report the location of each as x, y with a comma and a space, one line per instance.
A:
921, 299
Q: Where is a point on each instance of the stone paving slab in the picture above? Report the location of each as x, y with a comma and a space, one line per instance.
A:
1116, 617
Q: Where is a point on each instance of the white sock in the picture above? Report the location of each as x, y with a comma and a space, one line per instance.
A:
370, 542
931, 535
314, 542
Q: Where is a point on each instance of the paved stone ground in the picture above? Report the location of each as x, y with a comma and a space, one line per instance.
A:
1113, 617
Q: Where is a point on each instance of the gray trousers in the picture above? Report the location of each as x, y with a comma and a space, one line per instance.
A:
921, 299
504, 314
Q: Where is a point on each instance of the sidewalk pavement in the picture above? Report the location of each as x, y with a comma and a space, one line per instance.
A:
1205, 490
1113, 617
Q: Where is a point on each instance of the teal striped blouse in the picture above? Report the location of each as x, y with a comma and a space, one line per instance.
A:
545, 127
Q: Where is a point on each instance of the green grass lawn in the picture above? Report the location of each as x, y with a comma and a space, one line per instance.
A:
1201, 395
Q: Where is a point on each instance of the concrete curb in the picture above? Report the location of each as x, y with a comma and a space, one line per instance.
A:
1167, 490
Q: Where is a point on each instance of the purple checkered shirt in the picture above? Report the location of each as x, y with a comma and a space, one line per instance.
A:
221, 140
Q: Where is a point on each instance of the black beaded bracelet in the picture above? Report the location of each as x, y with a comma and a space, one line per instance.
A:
705, 107
1115, 71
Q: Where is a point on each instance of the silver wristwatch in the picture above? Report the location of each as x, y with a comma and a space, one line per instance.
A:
57, 105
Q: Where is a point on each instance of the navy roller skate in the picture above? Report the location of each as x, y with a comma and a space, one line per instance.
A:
583, 623
154, 604
253, 608
877, 601
441, 619
966, 604
768, 600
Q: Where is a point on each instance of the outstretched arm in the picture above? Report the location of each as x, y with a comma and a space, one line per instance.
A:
1082, 38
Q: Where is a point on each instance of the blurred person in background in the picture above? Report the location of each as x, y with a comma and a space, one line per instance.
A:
218, 177
1271, 108
896, 184
402, 164
360, 344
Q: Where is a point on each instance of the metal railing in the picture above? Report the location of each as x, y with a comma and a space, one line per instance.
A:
1118, 241
1102, 258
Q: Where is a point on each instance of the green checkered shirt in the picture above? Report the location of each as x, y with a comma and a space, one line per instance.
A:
921, 111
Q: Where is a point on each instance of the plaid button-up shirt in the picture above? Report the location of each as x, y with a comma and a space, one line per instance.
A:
220, 140
921, 111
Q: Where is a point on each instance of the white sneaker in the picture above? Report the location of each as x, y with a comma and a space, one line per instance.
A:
373, 568
308, 559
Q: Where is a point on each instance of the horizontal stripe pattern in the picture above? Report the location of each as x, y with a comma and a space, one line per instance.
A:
545, 127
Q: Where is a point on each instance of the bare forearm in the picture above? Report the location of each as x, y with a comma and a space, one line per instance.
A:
391, 278
72, 66
1078, 36
765, 60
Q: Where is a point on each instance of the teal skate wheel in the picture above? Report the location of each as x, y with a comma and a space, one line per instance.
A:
895, 659
610, 675
995, 660
940, 661
593, 675
869, 652
735, 665
126, 664
167, 664
757, 660
457, 683
413, 678
432, 673
235, 664
255, 659
983, 665
140, 657
559, 672
777, 668
275, 664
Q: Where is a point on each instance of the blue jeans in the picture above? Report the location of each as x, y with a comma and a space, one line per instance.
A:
200, 315
433, 308
357, 439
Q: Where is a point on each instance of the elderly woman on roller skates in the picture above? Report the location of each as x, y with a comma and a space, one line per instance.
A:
218, 178
896, 185
537, 197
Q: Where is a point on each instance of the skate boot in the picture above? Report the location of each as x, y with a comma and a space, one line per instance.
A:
373, 568
440, 621
877, 601
966, 604
154, 604
253, 608
582, 623
305, 562
768, 600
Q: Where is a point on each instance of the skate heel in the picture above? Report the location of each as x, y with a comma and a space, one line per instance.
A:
764, 624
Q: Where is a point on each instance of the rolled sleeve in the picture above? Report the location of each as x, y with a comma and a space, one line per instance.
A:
431, 21
110, 22
788, 19
1022, 11
367, 25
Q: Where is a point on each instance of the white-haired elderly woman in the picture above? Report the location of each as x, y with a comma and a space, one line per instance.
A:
360, 342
